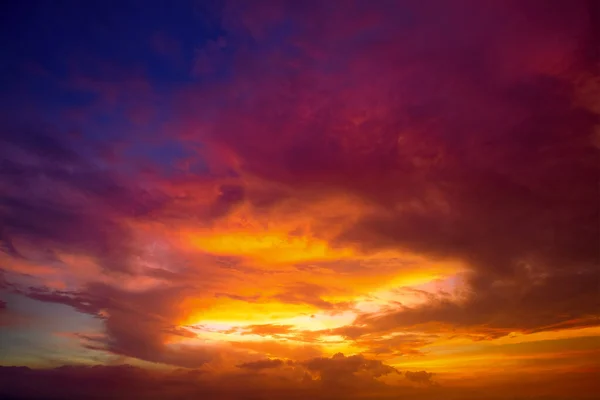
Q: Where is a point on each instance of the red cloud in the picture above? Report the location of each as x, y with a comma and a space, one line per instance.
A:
460, 135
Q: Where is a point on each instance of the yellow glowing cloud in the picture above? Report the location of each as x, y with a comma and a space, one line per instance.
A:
267, 247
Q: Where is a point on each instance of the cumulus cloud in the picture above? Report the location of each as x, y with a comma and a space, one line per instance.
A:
342, 370
420, 377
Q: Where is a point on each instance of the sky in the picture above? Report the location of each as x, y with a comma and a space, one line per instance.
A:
256, 200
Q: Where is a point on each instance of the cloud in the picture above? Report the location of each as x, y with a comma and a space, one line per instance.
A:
82, 302
447, 144
120, 381
407, 344
306, 293
267, 329
138, 324
280, 349
319, 158
340, 369
420, 377
262, 364
51, 191
527, 304
229, 196
126, 381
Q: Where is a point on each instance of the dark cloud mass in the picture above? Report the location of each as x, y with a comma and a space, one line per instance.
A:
125, 381
421, 377
342, 370
262, 364
473, 147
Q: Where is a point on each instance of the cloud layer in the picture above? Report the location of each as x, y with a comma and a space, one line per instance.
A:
366, 199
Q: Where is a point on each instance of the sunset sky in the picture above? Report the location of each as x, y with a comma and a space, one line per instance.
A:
337, 199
